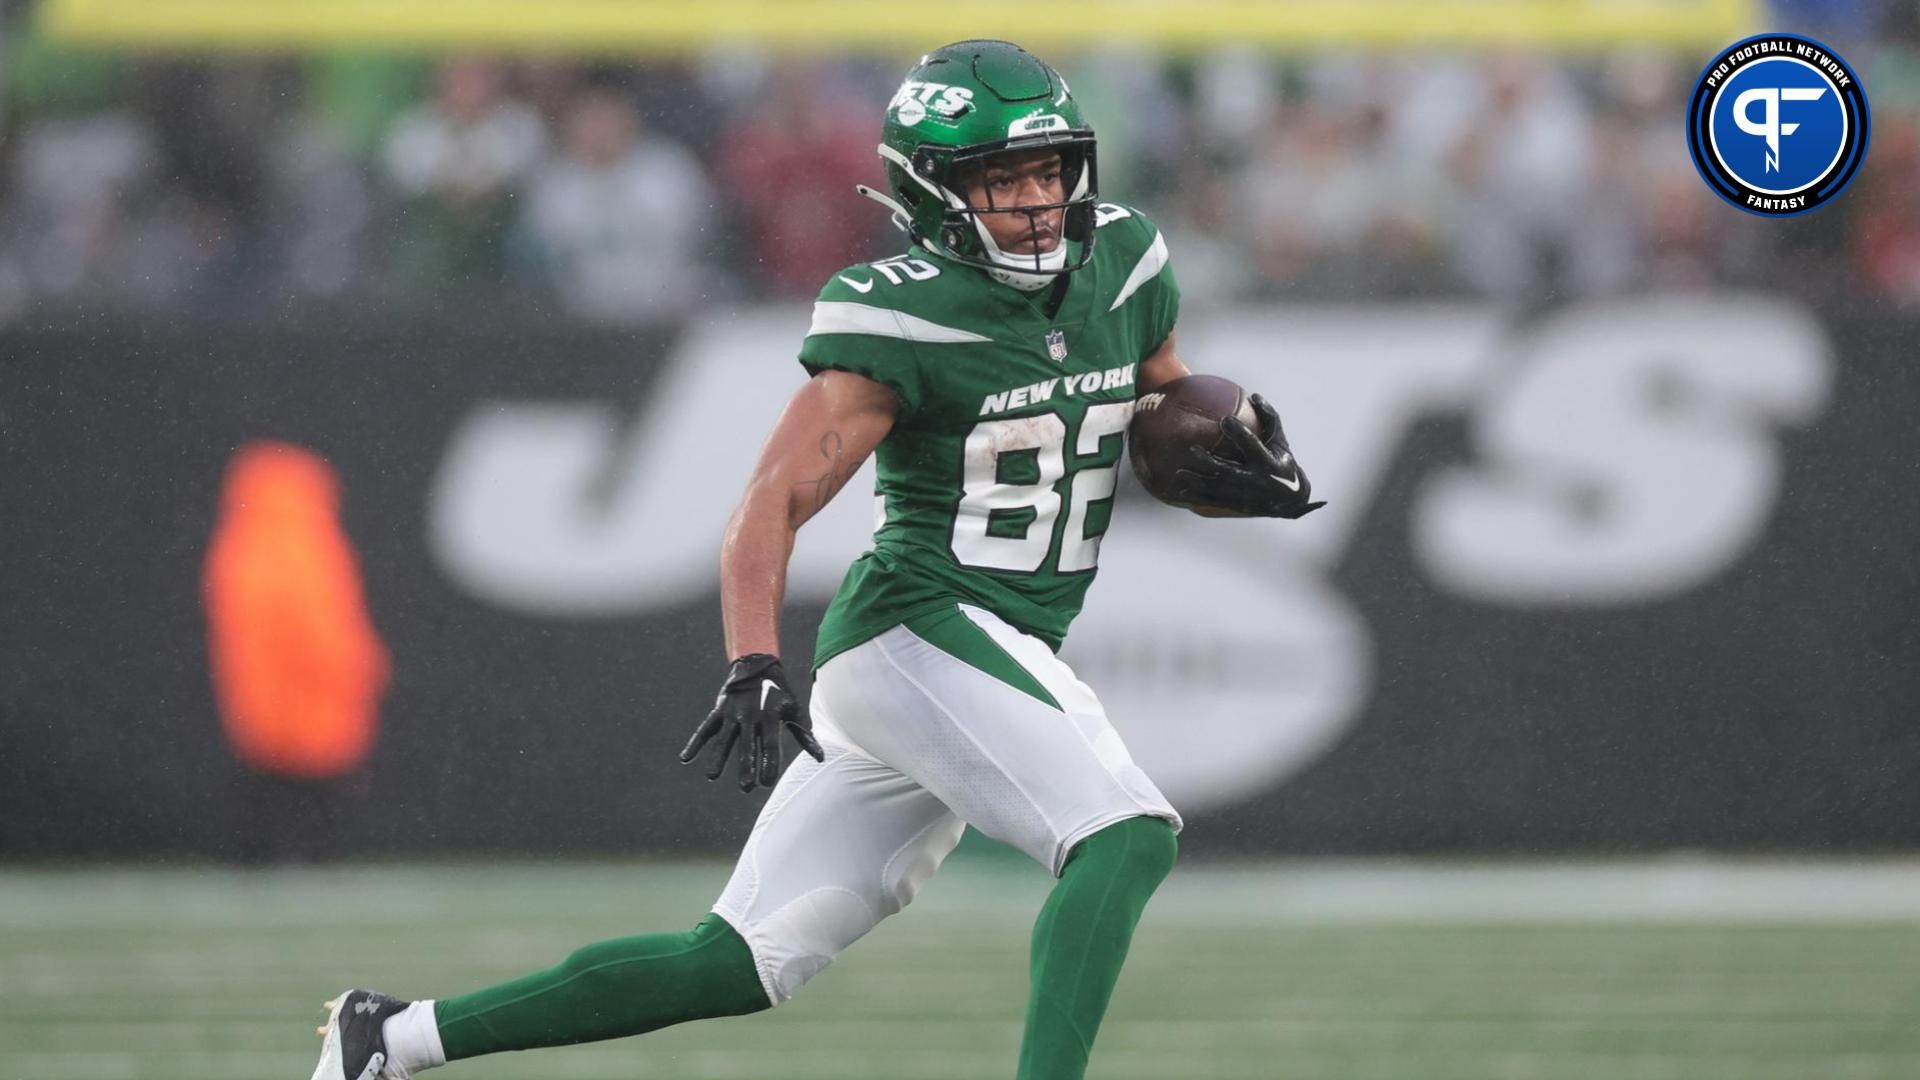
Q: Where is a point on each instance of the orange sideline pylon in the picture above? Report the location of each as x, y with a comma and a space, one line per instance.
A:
298, 668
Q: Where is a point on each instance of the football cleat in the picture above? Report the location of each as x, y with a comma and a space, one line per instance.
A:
355, 1046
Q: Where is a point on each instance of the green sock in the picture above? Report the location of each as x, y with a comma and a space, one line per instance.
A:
615, 988
1081, 939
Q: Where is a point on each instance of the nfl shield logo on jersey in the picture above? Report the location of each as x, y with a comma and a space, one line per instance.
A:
1057, 345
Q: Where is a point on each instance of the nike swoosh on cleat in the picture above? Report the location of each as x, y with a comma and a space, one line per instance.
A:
1292, 485
767, 686
857, 286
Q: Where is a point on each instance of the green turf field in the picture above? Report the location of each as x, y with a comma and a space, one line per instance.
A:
1415, 971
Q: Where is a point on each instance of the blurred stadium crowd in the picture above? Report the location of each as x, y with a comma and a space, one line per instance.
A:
628, 192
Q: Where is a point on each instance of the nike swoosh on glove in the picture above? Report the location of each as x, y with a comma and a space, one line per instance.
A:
754, 704
1266, 482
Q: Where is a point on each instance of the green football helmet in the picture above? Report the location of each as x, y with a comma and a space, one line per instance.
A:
961, 105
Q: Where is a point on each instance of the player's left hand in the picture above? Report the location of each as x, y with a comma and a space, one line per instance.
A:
1266, 482
755, 703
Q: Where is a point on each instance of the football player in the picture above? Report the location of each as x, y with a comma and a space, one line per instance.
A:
991, 370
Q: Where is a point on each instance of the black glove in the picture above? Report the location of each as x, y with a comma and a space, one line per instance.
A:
1262, 481
756, 701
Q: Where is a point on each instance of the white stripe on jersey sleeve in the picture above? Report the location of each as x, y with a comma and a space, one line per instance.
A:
1144, 270
843, 317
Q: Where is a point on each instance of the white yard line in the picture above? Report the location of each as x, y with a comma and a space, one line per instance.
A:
1672, 889
1306, 891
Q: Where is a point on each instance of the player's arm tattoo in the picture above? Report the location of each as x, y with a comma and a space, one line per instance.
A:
813, 495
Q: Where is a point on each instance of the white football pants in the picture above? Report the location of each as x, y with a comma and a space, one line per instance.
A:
951, 720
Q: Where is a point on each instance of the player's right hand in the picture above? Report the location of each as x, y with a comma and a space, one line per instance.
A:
1262, 480
754, 703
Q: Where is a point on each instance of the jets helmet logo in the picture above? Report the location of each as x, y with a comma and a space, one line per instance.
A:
916, 98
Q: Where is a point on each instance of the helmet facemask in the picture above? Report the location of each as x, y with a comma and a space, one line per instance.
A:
941, 176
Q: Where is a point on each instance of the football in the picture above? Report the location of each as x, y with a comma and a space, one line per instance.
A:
1185, 412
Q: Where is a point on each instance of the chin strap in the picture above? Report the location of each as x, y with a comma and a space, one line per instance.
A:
1025, 281
1016, 273
1018, 280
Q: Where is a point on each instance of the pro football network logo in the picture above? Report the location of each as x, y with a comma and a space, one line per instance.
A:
1778, 124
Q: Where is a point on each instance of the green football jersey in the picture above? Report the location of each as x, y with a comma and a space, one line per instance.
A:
997, 478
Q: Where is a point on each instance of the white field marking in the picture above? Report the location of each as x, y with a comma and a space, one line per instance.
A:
1847, 998
591, 1063
1268, 892
886, 1061
841, 1021
1365, 891
134, 1064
